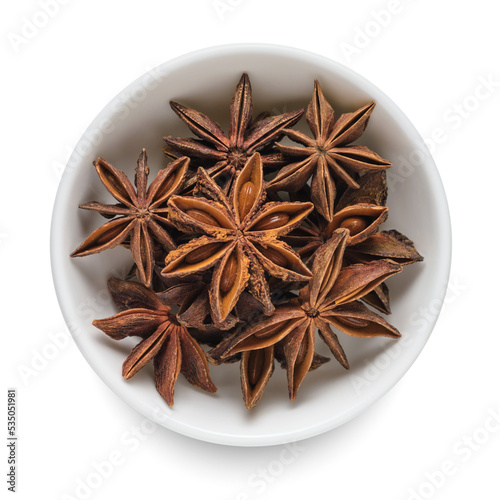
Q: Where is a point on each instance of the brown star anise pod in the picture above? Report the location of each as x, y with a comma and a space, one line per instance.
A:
164, 341
245, 137
330, 299
140, 218
329, 156
240, 239
360, 210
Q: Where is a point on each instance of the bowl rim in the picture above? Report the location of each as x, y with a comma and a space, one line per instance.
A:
62, 287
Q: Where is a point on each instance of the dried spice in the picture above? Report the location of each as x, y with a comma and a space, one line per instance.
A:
140, 216
360, 210
228, 154
240, 239
164, 341
329, 155
330, 299
252, 268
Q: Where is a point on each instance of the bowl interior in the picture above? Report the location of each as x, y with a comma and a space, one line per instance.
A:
282, 80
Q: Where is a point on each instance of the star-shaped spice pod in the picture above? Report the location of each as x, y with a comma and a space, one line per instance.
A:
164, 341
360, 210
228, 154
328, 156
240, 239
330, 299
140, 217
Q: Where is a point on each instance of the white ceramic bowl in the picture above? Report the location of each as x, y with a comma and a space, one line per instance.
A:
282, 80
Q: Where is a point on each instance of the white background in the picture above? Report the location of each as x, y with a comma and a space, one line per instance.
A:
433, 435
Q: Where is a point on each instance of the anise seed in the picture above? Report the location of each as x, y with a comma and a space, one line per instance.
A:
269, 331
274, 256
272, 221
202, 216
255, 365
354, 224
246, 198
354, 322
202, 253
229, 274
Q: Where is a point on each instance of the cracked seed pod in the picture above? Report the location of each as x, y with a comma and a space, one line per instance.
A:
240, 240
228, 154
169, 345
139, 219
330, 299
329, 155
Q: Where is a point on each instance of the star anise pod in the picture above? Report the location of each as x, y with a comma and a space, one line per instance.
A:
361, 211
330, 299
329, 155
240, 239
228, 154
139, 219
164, 341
